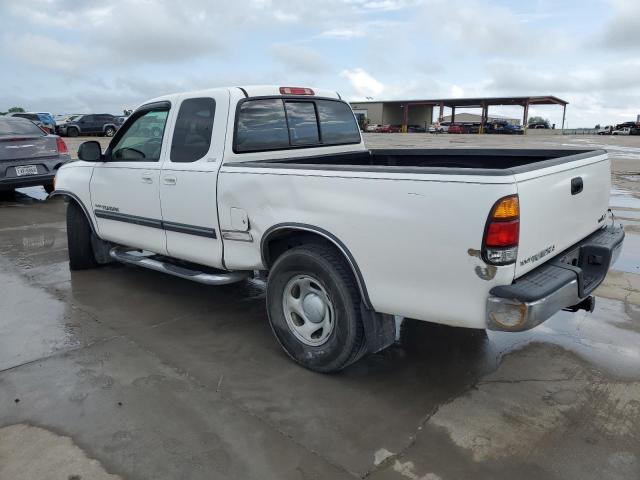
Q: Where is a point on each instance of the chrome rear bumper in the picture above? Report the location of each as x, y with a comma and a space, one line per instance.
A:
562, 283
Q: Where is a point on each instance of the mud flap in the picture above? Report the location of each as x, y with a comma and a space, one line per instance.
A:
101, 250
379, 329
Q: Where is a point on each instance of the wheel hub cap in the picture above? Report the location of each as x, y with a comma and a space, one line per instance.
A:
308, 310
314, 308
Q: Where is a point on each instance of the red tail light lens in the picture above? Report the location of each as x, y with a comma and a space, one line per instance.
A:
296, 91
502, 233
62, 147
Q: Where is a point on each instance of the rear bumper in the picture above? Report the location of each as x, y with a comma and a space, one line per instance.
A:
29, 181
563, 282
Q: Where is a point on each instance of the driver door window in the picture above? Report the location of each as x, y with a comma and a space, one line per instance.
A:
125, 189
142, 141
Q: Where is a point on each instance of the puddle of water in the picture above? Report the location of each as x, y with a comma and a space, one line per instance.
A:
37, 193
608, 338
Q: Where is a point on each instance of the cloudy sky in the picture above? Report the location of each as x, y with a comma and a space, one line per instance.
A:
69, 56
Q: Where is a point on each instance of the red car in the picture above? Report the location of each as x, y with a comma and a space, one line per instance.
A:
387, 129
455, 128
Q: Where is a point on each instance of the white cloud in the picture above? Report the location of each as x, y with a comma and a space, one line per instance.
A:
298, 58
342, 33
623, 30
363, 84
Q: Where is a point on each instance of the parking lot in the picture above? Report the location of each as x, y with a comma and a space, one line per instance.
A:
125, 373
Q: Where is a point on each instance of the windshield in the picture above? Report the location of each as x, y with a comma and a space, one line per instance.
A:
18, 127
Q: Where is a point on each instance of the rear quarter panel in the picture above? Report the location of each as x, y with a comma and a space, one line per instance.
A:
415, 238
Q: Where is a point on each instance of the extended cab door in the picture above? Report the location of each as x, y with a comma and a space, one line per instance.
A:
188, 183
125, 190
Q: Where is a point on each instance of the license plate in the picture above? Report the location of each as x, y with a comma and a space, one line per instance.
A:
26, 170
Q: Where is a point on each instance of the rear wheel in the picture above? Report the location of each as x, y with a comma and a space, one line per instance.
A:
109, 131
81, 254
314, 308
72, 132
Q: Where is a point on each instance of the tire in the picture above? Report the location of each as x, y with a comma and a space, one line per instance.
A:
343, 341
72, 132
81, 256
49, 187
109, 132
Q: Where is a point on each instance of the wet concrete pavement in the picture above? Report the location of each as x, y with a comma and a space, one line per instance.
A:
125, 373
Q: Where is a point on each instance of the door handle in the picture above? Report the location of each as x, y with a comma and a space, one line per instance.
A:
146, 178
169, 180
576, 185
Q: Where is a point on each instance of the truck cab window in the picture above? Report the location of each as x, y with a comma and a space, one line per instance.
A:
262, 125
192, 133
303, 123
337, 123
142, 141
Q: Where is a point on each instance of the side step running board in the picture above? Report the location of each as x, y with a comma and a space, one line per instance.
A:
149, 260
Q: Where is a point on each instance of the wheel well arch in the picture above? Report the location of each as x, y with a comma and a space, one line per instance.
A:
72, 197
281, 237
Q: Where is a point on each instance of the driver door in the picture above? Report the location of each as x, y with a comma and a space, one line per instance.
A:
125, 192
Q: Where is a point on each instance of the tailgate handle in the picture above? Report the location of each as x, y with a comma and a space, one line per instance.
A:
576, 185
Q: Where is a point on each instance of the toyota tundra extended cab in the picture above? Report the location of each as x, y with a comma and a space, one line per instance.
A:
219, 185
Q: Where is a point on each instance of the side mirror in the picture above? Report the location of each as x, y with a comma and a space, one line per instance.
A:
90, 151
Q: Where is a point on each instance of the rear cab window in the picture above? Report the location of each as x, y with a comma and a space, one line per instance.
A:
193, 130
280, 123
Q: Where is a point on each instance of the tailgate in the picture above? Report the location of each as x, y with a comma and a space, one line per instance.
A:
555, 212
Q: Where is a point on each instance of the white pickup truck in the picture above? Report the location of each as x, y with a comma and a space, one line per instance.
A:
219, 185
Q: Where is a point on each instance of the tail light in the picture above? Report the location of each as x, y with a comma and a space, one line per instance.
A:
502, 233
296, 91
62, 147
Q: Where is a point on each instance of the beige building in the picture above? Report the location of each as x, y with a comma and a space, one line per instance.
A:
392, 113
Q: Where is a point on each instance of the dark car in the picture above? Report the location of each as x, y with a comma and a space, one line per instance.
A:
94, 124
504, 128
28, 155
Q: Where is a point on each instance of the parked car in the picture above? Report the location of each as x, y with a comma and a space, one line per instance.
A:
388, 129
64, 120
622, 131
456, 128
503, 127
236, 193
416, 129
538, 125
41, 120
98, 124
29, 156
620, 126
372, 128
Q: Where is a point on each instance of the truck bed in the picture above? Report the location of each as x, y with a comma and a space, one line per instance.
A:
464, 161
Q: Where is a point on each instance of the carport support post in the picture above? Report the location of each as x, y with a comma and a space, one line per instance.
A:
441, 116
525, 116
483, 117
453, 115
564, 112
405, 118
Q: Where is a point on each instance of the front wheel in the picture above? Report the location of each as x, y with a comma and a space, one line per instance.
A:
49, 187
314, 308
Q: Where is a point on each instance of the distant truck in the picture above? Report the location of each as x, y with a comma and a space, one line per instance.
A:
277, 180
